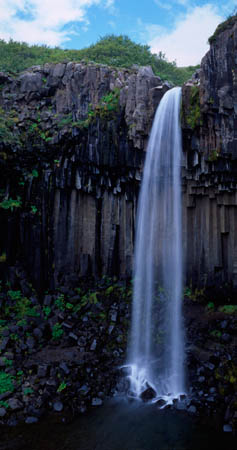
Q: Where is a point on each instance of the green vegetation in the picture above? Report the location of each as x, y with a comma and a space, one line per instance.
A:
6, 382
228, 309
8, 121
10, 203
210, 307
57, 331
21, 306
213, 155
7, 362
105, 109
28, 391
193, 117
34, 209
226, 25
4, 404
216, 333
60, 302
3, 257
117, 51
194, 294
46, 311
62, 386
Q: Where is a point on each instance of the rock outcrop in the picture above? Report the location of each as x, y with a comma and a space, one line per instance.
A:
210, 168
73, 140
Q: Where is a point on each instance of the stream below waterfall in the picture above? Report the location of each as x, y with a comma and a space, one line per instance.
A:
121, 425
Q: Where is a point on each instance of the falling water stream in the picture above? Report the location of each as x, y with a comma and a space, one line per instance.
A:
156, 351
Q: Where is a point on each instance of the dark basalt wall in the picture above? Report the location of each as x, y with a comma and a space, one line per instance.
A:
72, 153
210, 168
72, 147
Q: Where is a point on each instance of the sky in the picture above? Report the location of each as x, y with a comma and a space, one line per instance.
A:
178, 28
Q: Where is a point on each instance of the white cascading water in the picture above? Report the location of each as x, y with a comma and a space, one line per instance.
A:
156, 351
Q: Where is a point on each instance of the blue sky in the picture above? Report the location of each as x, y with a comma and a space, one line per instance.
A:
178, 28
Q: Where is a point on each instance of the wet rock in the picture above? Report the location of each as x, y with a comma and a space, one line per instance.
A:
58, 406
4, 343
227, 428
96, 401
148, 394
181, 406
212, 390
67, 325
29, 420
15, 404
210, 399
201, 379
93, 345
73, 336
114, 316
42, 371
38, 333
30, 342
224, 324
161, 403
64, 367
3, 412
84, 389
110, 329
5, 332
226, 337
126, 370
5, 395
47, 300
210, 366
192, 409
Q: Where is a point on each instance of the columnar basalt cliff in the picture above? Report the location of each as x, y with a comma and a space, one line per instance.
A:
73, 138
210, 168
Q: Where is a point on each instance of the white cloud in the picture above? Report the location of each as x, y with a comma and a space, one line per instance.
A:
148, 31
47, 19
163, 5
187, 43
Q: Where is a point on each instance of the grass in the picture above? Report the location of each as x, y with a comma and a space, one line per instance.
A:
6, 382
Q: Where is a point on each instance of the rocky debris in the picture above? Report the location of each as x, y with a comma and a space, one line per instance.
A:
148, 394
161, 403
97, 402
212, 365
29, 420
58, 372
58, 406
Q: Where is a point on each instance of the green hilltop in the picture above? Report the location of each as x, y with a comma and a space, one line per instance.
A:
117, 51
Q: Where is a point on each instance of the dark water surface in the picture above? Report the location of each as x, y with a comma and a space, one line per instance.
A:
120, 426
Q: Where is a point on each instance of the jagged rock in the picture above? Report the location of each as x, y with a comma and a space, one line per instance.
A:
58, 406
227, 428
29, 420
65, 368
3, 412
148, 394
42, 371
93, 345
38, 333
96, 401
161, 403
15, 404
192, 409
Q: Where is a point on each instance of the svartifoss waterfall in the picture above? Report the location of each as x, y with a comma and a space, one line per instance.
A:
156, 351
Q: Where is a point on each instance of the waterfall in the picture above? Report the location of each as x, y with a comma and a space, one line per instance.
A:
156, 353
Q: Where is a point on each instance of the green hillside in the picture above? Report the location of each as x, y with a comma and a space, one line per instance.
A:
118, 51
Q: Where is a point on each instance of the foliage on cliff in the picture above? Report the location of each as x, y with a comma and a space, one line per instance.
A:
119, 51
226, 25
